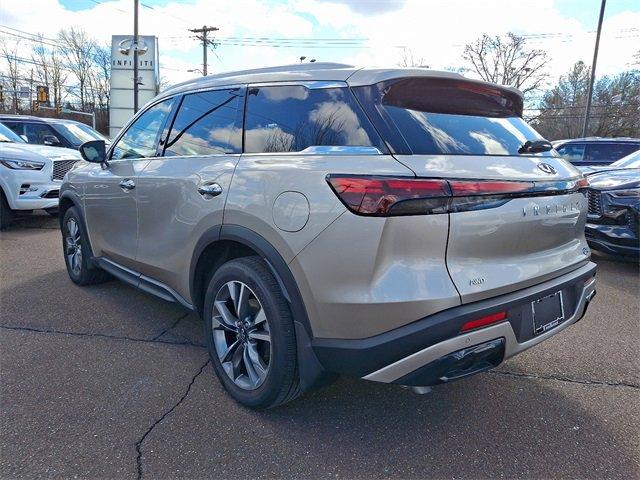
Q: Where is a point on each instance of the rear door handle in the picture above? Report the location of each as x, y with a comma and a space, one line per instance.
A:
127, 184
210, 190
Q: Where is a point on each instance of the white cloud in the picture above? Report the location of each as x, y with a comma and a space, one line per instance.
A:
435, 30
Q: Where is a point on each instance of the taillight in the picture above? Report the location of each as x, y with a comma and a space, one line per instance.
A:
462, 188
381, 196
384, 196
484, 321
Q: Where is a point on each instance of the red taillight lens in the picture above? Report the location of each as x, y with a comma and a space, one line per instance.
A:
378, 196
381, 196
461, 188
483, 321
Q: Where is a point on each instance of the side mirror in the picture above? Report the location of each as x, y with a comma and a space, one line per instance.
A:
50, 140
94, 151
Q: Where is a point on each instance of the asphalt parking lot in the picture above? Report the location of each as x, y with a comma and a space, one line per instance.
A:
109, 382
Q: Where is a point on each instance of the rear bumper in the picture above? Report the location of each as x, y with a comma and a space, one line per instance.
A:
417, 354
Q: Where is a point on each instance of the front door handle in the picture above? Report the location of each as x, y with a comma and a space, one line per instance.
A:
127, 184
210, 190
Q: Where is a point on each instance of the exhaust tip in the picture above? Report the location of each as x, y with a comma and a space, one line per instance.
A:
418, 390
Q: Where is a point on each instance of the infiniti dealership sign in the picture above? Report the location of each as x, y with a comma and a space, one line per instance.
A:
121, 101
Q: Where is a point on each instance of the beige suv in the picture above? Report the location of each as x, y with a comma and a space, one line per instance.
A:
398, 225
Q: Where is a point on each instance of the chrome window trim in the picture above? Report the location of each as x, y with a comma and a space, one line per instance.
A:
326, 150
310, 84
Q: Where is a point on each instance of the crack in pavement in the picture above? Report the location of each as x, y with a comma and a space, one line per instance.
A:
100, 335
565, 379
164, 415
174, 325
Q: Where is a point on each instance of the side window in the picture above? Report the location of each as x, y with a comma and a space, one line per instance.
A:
141, 138
608, 152
292, 118
207, 123
36, 132
18, 128
572, 152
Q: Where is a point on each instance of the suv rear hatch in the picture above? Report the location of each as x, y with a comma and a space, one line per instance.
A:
516, 211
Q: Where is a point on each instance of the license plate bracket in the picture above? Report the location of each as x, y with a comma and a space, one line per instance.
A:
548, 312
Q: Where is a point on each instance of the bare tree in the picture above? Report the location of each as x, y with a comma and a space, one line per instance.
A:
10, 54
407, 59
78, 50
506, 60
615, 110
100, 80
49, 69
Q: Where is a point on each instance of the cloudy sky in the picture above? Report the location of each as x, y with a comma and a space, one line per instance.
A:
363, 32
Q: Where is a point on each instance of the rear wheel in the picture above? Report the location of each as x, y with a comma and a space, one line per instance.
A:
77, 253
250, 334
6, 214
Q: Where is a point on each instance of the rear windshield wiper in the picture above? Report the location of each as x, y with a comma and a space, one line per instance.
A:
536, 146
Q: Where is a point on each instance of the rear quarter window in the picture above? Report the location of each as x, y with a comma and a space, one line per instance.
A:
290, 118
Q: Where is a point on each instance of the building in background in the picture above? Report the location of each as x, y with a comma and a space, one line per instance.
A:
121, 99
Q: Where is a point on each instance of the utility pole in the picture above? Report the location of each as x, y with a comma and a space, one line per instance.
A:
135, 56
593, 71
201, 34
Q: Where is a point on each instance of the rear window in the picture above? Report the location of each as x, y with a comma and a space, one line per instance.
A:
608, 152
290, 118
444, 116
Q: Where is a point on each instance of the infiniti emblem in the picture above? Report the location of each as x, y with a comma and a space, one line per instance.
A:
546, 168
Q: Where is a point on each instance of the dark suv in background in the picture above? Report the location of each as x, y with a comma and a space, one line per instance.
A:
596, 150
55, 132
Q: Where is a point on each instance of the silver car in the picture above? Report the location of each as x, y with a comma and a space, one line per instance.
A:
398, 225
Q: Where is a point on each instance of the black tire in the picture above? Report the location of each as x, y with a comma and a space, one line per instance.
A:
281, 383
82, 272
6, 214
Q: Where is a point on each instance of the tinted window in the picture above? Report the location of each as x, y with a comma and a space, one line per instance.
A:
292, 118
77, 133
630, 161
207, 123
572, 151
8, 135
140, 139
441, 116
36, 132
608, 152
18, 128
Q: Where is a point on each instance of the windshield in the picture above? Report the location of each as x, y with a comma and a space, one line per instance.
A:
9, 136
78, 133
444, 116
630, 161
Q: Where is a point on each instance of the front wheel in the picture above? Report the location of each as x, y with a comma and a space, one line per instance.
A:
250, 334
77, 253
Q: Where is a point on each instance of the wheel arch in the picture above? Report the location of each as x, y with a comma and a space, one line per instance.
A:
225, 242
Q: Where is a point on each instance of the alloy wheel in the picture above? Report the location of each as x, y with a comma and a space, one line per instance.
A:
73, 247
241, 335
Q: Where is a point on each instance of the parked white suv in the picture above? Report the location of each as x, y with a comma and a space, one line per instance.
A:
399, 225
30, 175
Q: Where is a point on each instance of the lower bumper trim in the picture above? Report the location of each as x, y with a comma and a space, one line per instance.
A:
401, 371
